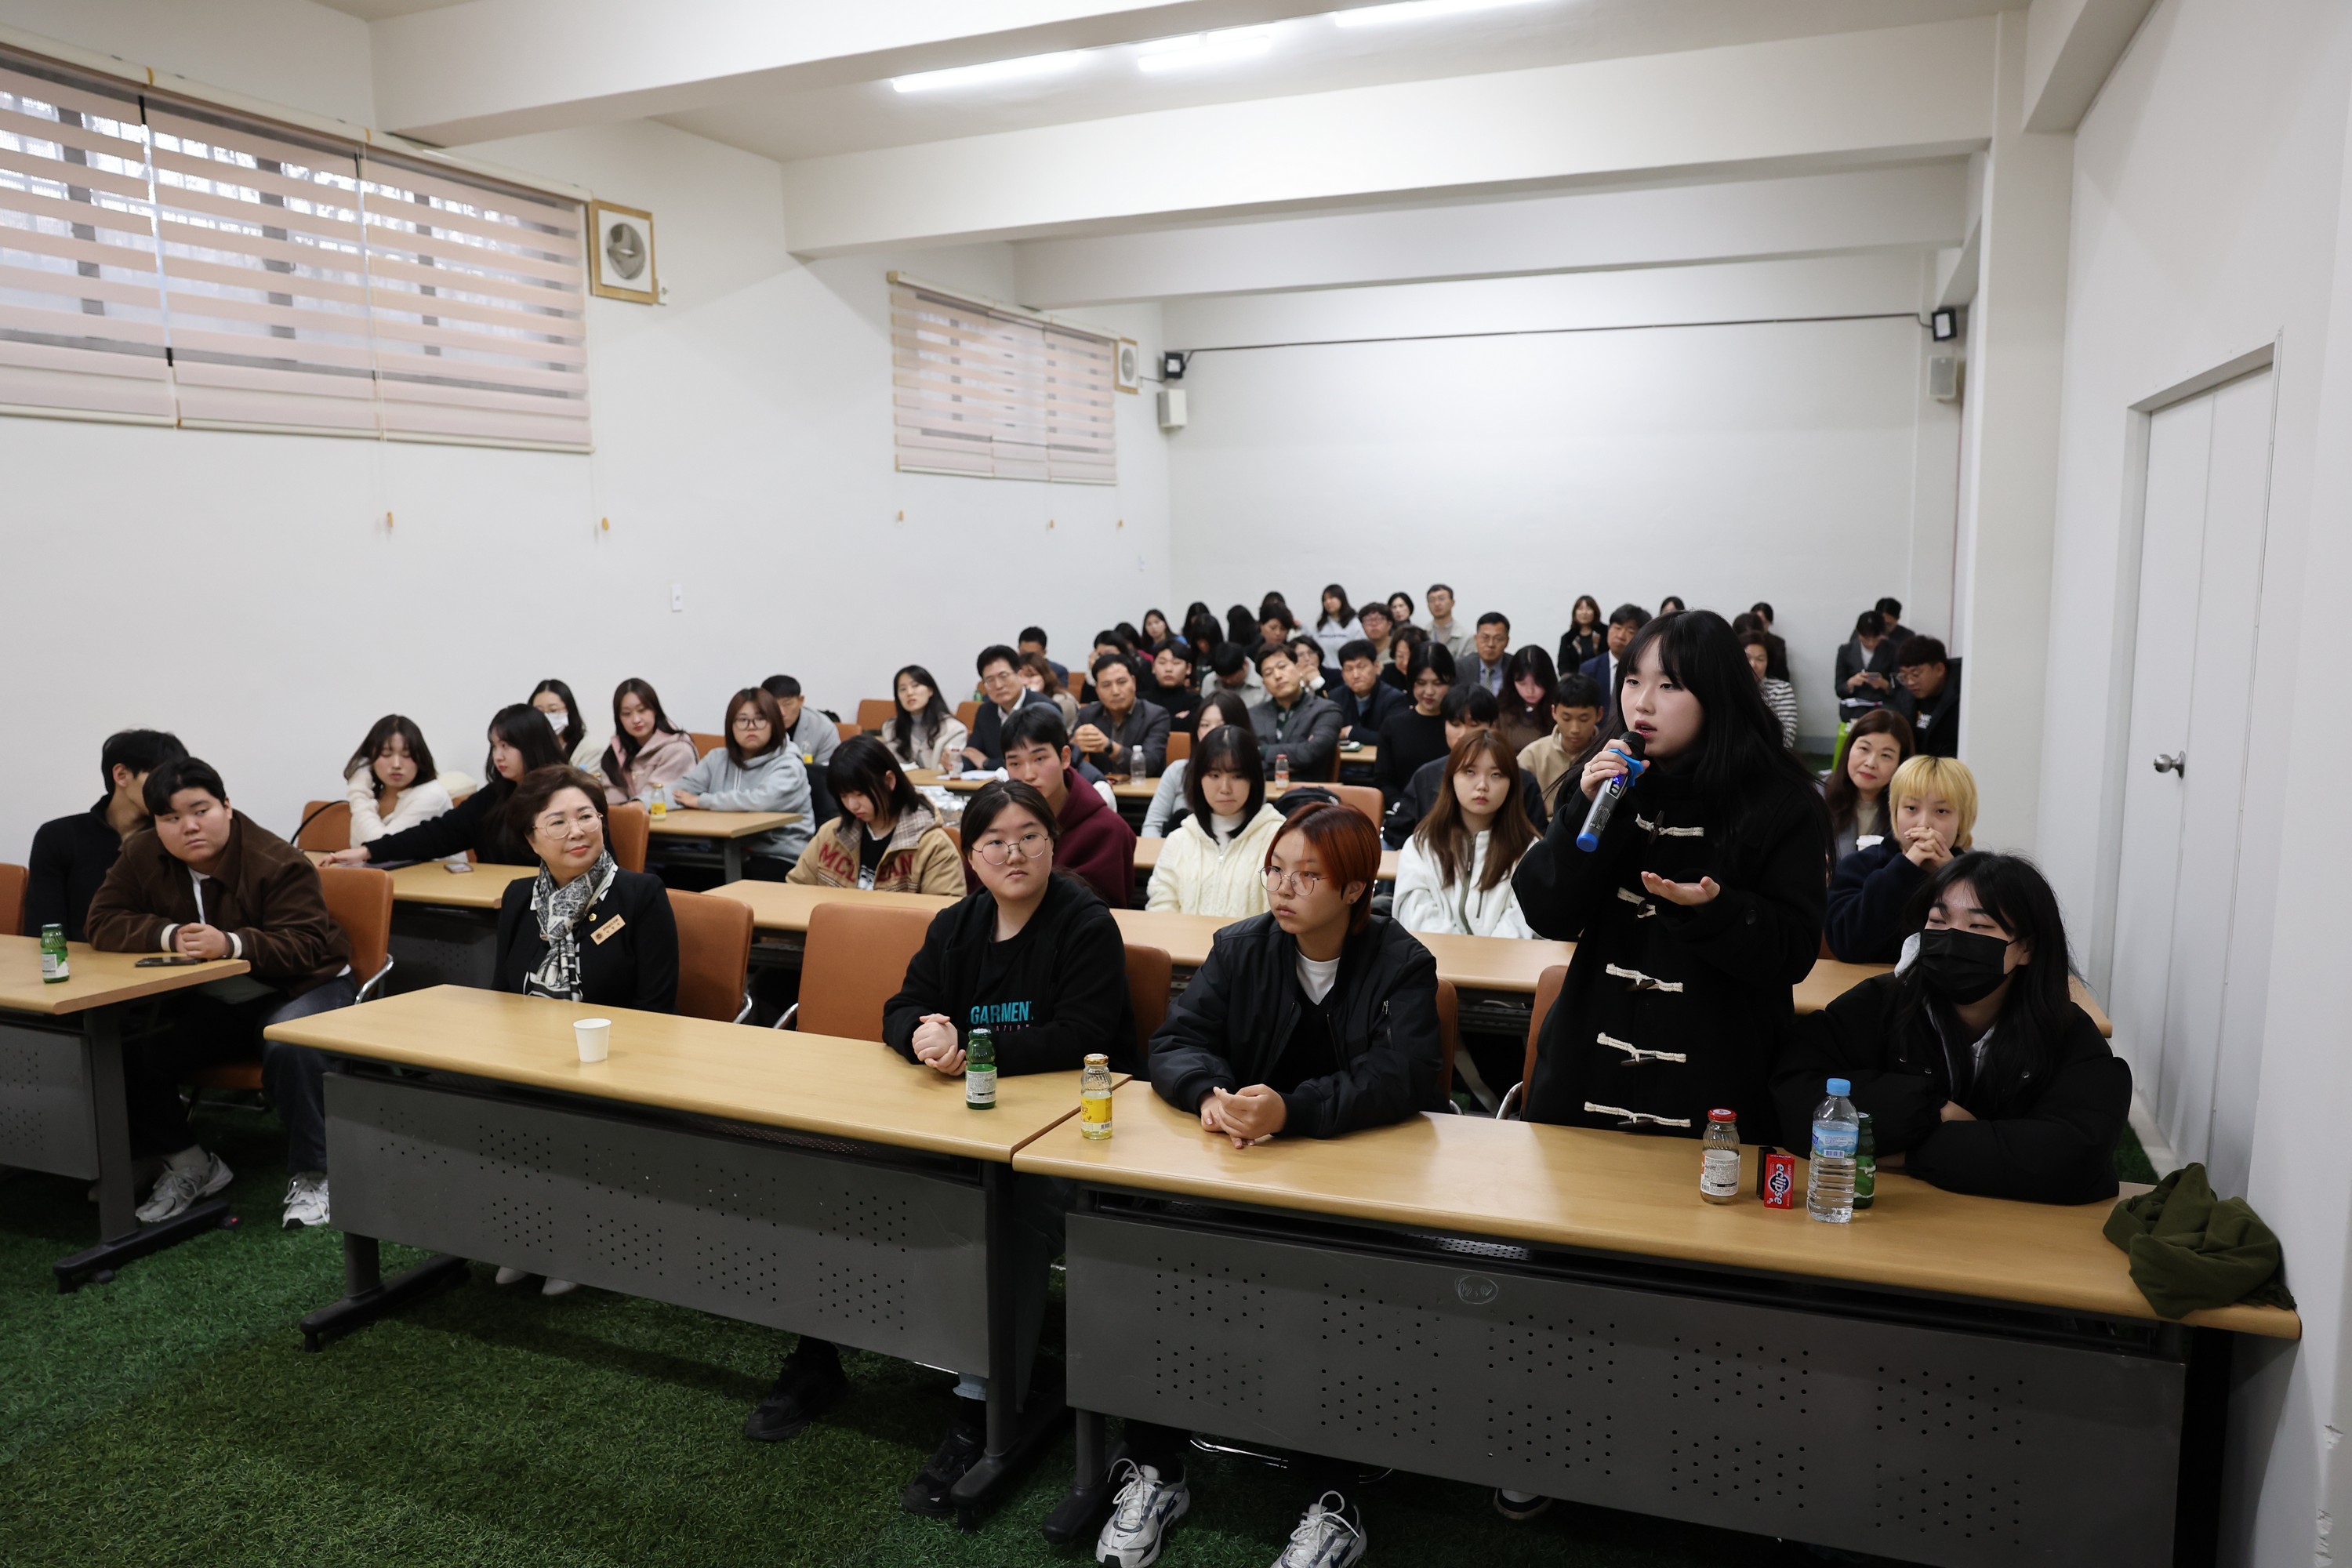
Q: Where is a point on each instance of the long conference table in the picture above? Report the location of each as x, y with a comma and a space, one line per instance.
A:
819, 1185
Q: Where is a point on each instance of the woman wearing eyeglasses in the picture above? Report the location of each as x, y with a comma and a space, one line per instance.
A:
754, 771
1035, 959
1313, 1019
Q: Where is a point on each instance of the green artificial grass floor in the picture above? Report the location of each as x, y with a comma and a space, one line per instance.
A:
171, 1417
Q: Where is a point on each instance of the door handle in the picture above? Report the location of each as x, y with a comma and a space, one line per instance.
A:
2175, 763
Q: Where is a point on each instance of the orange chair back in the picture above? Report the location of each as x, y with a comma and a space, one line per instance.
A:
360, 899
873, 712
1077, 681
1179, 744
12, 902
1149, 972
714, 951
1363, 797
629, 829
966, 713
1449, 1037
847, 730
326, 825
955, 837
854, 961
704, 743
1548, 988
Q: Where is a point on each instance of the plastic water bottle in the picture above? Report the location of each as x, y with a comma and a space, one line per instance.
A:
1282, 772
1837, 1138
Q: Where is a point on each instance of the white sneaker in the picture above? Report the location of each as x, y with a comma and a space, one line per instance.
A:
1332, 1535
1144, 1510
512, 1275
305, 1200
177, 1190
558, 1288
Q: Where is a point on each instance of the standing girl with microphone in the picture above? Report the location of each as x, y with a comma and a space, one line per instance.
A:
1696, 911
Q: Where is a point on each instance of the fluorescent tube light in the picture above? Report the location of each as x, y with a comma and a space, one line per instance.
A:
988, 74
1417, 11
1189, 51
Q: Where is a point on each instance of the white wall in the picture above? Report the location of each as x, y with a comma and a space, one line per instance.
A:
244, 591
1796, 463
2210, 214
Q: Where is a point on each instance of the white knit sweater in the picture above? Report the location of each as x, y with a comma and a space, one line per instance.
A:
1195, 876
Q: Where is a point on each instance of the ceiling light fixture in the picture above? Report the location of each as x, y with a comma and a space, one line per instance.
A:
1190, 49
1418, 11
990, 73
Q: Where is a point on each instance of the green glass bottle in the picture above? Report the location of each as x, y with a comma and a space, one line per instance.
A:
979, 1071
1866, 1165
55, 966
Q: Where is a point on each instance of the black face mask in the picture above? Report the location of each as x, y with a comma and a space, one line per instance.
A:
1961, 966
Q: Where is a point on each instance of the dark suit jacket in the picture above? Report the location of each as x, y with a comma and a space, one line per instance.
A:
1367, 713
988, 727
1598, 671
637, 966
1139, 742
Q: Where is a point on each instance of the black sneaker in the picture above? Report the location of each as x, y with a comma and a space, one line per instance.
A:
967, 1439
809, 1385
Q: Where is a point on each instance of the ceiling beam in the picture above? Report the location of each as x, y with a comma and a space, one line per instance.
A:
2070, 47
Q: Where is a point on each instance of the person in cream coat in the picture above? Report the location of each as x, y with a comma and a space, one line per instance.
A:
1214, 863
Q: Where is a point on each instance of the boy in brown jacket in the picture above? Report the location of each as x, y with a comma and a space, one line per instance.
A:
204, 882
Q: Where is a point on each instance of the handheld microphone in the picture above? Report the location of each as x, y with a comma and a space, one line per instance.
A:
1604, 802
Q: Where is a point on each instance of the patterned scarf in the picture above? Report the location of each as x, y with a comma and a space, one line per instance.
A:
560, 912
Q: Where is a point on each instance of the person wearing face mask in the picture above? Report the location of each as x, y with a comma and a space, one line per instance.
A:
391, 783
1167, 800
1211, 864
1453, 875
1933, 803
1977, 1069
554, 699
1699, 910
520, 742
583, 930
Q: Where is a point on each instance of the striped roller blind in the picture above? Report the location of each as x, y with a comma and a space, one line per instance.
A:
978, 389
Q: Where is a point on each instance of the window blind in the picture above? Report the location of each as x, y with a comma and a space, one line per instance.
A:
167, 260
980, 390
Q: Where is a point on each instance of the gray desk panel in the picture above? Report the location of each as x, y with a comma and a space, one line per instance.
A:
852, 1249
47, 1116
1924, 1441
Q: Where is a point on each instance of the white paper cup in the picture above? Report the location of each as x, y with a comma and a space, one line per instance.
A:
594, 1035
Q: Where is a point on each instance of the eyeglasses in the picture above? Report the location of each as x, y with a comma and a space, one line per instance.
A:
1303, 883
1028, 846
750, 721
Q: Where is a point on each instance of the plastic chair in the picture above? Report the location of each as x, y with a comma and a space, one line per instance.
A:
714, 956
854, 961
12, 902
1363, 797
955, 837
704, 744
1548, 988
966, 713
1449, 1038
629, 829
1179, 744
359, 900
326, 825
874, 712
847, 730
1150, 973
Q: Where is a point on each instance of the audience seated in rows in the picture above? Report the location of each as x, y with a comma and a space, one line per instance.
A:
1930, 696
72, 855
1625, 623
521, 742
1454, 874
1524, 704
1217, 708
1933, 804
922, 730
887, 839
1002, 694
1120, 733
1293, 722
581, 746
1214, 852
1464, 711
1416, 736
1094, 843
1553, 761
756, 769
389, 783
1876, 745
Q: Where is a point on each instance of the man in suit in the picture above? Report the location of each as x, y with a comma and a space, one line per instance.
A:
1364, 700
1000, 682
1624, 621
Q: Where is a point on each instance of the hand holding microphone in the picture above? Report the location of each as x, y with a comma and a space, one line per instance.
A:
1607, 777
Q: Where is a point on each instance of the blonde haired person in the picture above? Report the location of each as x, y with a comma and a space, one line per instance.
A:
1931, 806
1214, 862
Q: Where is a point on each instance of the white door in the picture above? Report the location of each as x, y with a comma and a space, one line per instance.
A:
2199, 599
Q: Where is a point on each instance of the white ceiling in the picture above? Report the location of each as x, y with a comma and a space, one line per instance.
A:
377, 10
1309, 54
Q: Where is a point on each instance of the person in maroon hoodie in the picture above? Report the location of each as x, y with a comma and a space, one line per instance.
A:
1098, 847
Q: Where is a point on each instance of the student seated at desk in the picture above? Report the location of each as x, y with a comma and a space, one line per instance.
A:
808, 731
1699, 911
1293, 721
391, 783
1217, 708
583, 747
72, 855
1034, 957
583, 930
1525, 699
1979, 1073
1213, 860
924, 733
1453, 875
756, 769
1033, 640
1373, 626
1934, 802
1465, 710
1363, 699
206, 882
1174, 688
648, 752
1876, 745
1003, 694
1094, 844
1416, 736
1553, 761
887, 839
1315, 1019
520, 742
1118, 731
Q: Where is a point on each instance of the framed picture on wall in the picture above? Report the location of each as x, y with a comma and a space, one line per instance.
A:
621, 254
1127, 374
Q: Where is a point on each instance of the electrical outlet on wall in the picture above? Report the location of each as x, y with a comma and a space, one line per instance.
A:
678, 598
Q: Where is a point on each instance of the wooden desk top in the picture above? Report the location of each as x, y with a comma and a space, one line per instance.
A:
1147, 856
1612, 1191
786, 905
1184, 938
99, 979
483, 888
680, 823
809, 1083
1495, 962
1367, 753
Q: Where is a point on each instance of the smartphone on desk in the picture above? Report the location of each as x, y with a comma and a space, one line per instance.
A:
168, 960
458, 868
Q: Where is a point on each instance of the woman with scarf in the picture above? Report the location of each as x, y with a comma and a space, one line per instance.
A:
583, 930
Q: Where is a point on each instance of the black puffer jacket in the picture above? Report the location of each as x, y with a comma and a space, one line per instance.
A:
2047, 1140
1230, 1025
1674, 1011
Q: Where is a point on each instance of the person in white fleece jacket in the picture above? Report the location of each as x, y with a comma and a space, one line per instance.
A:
391, 782
1453, 875
754, 771
1214, 862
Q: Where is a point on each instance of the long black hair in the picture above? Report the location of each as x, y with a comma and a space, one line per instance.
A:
526, 729
574, 729
864, 765
1740, 744
2041, 1003
1323, 608
902, 723
1537, 715
1233, 748
384, 730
